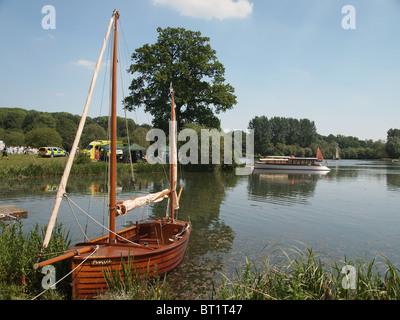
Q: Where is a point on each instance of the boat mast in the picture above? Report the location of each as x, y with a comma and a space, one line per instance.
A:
64, 178
173, 158
113, 146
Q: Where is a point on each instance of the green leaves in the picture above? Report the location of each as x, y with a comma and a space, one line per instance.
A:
186, 59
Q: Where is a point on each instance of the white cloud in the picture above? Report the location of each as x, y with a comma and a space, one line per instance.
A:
84, 63
49, 37
90, 64
208, 9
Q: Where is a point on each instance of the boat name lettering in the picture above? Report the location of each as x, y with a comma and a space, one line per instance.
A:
101, 262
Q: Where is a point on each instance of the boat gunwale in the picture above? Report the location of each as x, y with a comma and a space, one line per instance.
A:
136, 249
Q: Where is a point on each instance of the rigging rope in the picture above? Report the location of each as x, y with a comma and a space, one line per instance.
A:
104, 227
126, 119
76, 220
54, 285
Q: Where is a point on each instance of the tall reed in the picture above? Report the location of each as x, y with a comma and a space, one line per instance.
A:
128, 283
304, 276
19, 252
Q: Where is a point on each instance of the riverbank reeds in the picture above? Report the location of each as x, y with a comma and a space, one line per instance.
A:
129, 284
19, 251
305, 276
285, 274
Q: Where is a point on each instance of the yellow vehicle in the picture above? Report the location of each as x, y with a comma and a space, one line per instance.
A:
93, 149
52, 152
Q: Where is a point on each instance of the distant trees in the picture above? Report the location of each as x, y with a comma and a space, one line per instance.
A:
288, 136
274, 135
33, 128
393, 143
41, 137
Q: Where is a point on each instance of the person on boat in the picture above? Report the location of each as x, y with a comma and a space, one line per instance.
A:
5, 153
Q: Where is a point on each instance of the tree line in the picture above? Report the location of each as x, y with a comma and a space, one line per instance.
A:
299, 137
20, 127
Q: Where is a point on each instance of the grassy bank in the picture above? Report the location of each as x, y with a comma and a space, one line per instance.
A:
283, 275
302, 275
19, 166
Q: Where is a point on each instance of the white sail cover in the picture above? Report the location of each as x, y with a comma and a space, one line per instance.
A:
127, 205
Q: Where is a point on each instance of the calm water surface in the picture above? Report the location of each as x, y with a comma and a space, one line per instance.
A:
353, 210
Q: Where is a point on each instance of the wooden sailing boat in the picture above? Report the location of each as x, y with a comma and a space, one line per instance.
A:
156, 246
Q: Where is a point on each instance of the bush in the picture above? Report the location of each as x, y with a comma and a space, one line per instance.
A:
18, 254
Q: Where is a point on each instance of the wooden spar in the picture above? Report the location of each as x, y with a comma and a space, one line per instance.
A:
62, 257
173, 159
64, 178
113, 147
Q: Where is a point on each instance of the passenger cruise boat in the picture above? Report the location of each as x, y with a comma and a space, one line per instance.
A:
293, 163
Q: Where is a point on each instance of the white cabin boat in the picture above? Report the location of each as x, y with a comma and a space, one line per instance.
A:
291, 163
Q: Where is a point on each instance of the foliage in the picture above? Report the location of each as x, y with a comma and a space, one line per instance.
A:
129, 284
288, 136
19, 252
297, 275
21, 166
43, 137
271, 136
262, 134
393, 143
185, 59
198, 158
91, 132
20, 127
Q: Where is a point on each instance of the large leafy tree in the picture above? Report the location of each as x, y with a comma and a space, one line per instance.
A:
43, 137
262, 134
185, 59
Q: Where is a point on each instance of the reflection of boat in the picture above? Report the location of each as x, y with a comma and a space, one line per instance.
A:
156, 246
292, 163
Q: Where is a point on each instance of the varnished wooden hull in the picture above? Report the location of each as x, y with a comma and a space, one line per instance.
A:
158, 253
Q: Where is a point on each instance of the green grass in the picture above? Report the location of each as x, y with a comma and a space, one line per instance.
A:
20, 166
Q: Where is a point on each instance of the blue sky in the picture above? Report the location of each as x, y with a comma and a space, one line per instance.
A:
289, 58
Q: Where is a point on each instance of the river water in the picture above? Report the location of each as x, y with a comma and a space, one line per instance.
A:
354, 210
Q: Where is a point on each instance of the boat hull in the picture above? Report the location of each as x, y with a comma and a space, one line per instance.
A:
288, 167
150, 257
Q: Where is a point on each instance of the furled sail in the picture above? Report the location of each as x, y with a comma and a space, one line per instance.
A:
127, 205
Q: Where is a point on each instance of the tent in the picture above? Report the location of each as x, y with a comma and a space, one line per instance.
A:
136, 147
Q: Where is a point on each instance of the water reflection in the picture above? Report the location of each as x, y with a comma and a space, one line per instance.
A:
211, 237
351, 210
372, 171
283, 187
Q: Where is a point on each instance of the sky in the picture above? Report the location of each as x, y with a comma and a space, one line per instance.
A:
336, 65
